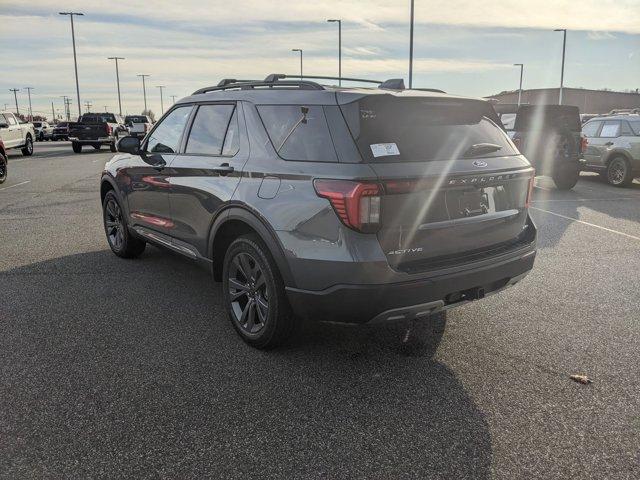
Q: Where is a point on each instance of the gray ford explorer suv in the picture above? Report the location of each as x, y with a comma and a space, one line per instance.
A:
313, 202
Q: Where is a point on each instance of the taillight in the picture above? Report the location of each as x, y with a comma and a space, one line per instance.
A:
527, 203
583, 144
109, 129
356, 203
517, 143
146, 127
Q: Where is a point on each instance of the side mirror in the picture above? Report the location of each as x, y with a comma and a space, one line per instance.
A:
4, 125
129, 145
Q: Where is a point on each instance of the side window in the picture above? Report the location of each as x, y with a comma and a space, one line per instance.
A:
625, 129
11, 120
207, 136
591, 128
232, 139
298, 132
635, 126
165, 138
610, 129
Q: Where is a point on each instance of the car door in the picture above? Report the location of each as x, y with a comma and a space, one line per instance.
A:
606, 141
205, 175
143, 177
13, 132
592, 152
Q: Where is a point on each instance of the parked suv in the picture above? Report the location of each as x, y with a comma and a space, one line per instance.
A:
43, 131
323, 203
613, 148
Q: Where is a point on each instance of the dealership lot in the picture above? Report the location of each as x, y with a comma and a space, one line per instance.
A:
120, 368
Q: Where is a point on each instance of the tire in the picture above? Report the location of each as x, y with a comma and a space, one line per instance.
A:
3, 167
27, 150
40, 137
120, 240
619, 172
566, 177
254, 295
113, 147
77, 147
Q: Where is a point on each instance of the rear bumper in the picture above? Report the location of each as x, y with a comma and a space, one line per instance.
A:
408, 300
102, 140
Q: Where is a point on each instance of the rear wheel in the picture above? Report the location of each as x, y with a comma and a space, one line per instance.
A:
3, 167
77, 147
121, 242
254, 294
619, 172
27, 150
41, 137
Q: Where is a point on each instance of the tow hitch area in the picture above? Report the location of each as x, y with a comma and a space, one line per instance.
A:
475, 293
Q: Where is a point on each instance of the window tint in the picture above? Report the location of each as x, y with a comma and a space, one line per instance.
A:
11, 120
389, 129
626, 129
209, 129
591, 128
610, 129
635, 126
298, 135
166, 136
232, 140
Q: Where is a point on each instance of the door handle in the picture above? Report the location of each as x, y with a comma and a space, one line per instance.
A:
608, 144
224, 169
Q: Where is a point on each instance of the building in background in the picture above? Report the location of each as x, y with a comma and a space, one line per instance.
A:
588, 101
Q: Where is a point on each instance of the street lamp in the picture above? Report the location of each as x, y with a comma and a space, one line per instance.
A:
144, 88
339, 22
173, 97
411, 48
299, 50
75, 61
161, 100
88, 105
564, 47
28, 89
521, 65
117, 80
15, 96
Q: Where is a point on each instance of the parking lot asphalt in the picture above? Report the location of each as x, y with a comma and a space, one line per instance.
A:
113, 368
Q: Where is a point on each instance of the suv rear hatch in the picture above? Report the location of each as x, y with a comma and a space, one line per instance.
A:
454, 187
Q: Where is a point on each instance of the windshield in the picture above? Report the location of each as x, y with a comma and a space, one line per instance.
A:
98, 118
389, 129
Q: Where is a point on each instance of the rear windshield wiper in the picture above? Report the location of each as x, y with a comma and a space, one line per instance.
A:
481, 148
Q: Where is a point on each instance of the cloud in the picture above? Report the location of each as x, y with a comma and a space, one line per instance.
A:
600, 36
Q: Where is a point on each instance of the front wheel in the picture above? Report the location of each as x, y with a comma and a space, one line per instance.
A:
3, 167
121, 242
27, 150
566, 177
619, 172
254, 294
77, 147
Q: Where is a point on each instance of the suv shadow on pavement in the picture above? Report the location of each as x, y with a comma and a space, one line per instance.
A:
144, 378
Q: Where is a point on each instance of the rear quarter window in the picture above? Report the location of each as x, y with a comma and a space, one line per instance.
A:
298, 132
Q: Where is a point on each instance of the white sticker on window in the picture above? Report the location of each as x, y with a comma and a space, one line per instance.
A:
384, 149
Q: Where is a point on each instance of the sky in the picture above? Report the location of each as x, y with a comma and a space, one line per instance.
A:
462, 47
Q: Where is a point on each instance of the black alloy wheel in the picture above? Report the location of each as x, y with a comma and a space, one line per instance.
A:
248, 293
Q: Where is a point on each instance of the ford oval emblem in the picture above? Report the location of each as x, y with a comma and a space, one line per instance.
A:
479, 163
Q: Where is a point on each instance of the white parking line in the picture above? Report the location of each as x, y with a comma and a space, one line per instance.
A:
587, 223
16, 185
586, 199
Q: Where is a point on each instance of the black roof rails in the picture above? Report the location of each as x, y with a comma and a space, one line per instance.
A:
393, 84
318, 77
227, 81
435, 90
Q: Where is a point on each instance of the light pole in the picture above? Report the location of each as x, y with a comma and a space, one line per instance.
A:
15, 96
521, 65
411, 48
75, 61
339, 22
299, 50
66, 106
28, 89
173, 97
144, 88
88, 105
161, 100
117, 80
564, 47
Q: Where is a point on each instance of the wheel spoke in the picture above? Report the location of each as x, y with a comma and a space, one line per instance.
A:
246, 266
238, 285
246, 314
259, 280
262, 308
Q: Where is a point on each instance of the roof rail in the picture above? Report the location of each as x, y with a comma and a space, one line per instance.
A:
393, 84
227, 81
318, 77
435, 90
271, 81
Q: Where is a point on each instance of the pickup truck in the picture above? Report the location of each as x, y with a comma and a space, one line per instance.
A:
15, 134
60, 131
138, 125
96, 129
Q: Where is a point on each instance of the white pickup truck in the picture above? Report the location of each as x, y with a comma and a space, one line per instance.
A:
15, 134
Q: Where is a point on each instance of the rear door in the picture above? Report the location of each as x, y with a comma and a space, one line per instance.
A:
592, 153
13, 133
205, 174
604, 142
454, 183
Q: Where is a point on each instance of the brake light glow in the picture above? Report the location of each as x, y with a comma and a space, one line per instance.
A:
527, 203
109, 129
357, 204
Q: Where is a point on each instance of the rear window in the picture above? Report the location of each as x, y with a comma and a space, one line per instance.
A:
544, 117
298, 132
389, 129
97, 118
635, 126
37, 124
136, 119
